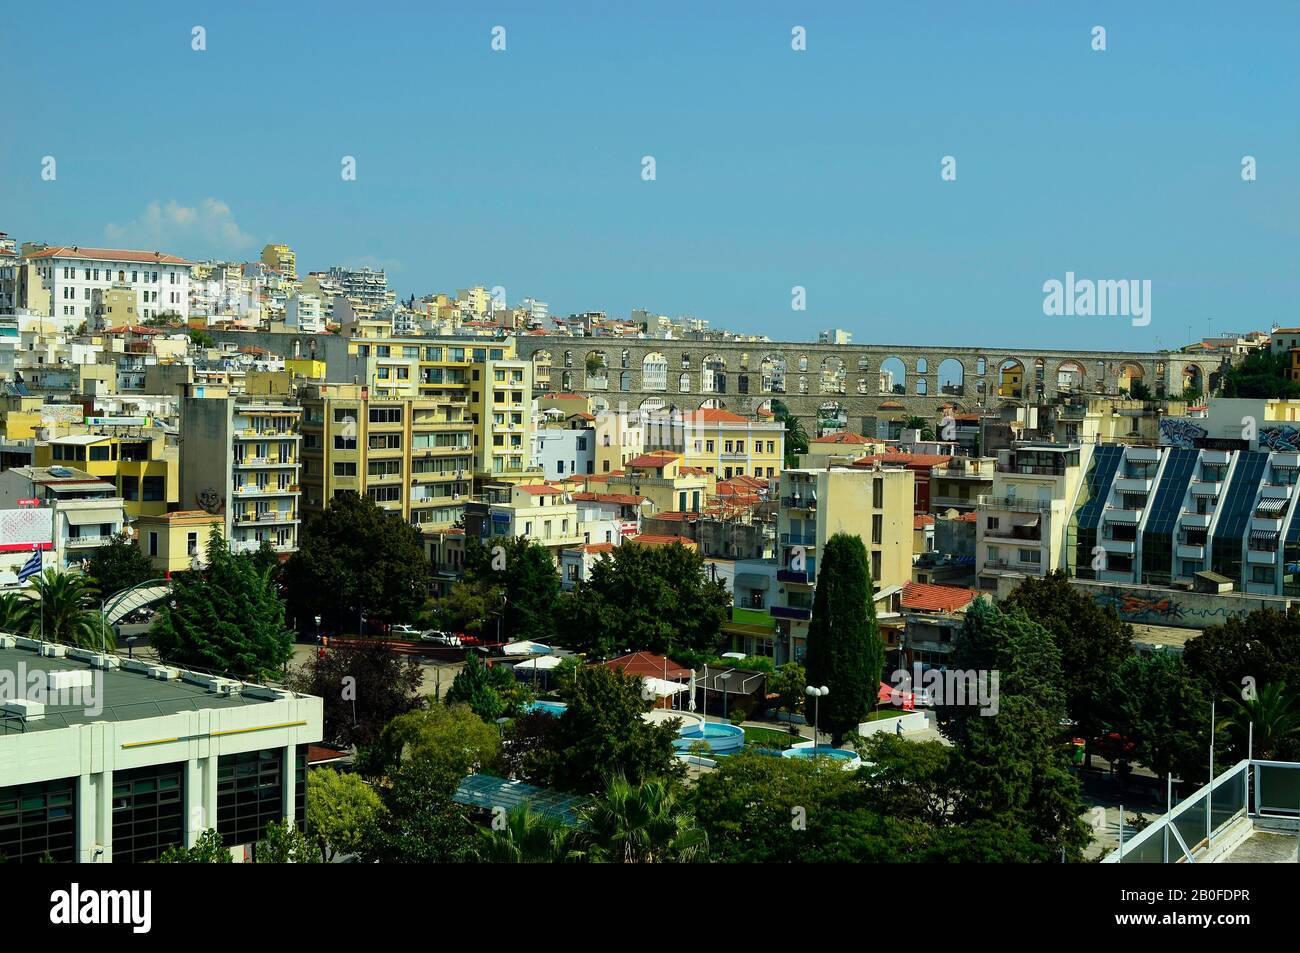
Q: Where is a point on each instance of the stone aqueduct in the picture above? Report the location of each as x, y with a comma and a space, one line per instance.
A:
852, 380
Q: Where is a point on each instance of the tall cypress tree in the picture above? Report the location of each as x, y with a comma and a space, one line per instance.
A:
227, 617
844, 652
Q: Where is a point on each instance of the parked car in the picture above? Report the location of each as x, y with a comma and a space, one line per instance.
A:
438, 637
403, 632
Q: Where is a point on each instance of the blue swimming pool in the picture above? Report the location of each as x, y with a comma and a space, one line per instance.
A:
850, 758
550, 708
720, 738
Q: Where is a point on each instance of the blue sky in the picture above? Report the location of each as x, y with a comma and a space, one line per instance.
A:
775, 168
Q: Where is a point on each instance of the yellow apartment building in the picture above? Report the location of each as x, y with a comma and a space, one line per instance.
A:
173, 541
728, 445
663, 478
620, 437
412, 455
281, 259
540, 512
143, 468
495, 386
876, 505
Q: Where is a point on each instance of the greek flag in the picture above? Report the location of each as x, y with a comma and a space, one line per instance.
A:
30, 568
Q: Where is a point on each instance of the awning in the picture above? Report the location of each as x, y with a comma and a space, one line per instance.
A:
1263, 534
89, 517
543, 664
1271, 506
1205, 489
662, 688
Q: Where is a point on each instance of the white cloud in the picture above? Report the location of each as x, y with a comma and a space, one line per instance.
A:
206, 229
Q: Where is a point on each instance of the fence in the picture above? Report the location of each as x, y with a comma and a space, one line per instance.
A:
1249, 789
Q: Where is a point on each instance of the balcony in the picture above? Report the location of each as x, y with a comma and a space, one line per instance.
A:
1196, 520
1115, 514
1275, 491
799, 503
1270, 524
1134, 484
1216, 457
1206, 488
1032, 534
1191, 551
1143, 455
1123, 547
798, 577
1014, 504
271, 516
266, 462
790, 612
86, 542
798, 539
1261, 557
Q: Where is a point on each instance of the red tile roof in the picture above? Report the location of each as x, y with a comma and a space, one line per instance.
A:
109, 254
626, 499
843, 438
653, 460
648, 664
134, 329
931, 598
539, 489
714, 415
922, 520
649, 539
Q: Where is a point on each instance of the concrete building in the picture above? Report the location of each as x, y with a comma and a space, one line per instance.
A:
411, 455
282, 260
366, 288
177, 541
662, 478
106, 759
565, 452
720, 442
1023, 522
241, 458
121, 451
541, 513
72, 274
872, 504
87, 512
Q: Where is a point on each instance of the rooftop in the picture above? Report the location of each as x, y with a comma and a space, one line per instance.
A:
108, 254
114, 695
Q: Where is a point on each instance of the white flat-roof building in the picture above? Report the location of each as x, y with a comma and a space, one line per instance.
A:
73, 273
109, 759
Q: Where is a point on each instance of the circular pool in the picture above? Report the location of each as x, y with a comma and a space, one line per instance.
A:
806, 750
720, 738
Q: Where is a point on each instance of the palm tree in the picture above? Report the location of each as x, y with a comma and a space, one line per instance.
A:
13, 612
528, 838
60, 606
641, 824
1275, 714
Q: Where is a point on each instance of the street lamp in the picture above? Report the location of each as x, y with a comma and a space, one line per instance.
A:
724, 678
816, 694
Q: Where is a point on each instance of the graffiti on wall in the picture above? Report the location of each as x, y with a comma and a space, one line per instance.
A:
1180, 432
1163, 609
1283, 438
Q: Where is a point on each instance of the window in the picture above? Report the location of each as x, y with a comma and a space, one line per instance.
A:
385, 415
877, 529
154, 489
875, 565
148, 812
344, 443
345, 469
878, 493
385, 494
249, 794
153, 543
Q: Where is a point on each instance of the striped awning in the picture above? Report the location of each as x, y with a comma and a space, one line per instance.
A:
1263, 534
1205, 489
1271, 506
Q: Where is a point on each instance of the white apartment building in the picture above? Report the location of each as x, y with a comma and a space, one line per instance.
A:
73, 273
303, 312
87, 512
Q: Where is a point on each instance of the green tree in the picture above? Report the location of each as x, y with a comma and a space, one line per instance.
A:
341, 809
1266, 722
796, 437
787, 684
119, 565
227, 617
200, 338
844, 652
492, 692
1154, 703
364, 686
1093, 642
355, 557
1264, 373
1263, 647
906, 778
654, 598
283, 843
470, 607
208, 849
601, 732
527, 838
60, 607
451, 738
13, 612
528, 579
1012, 762
644, 823
420, 824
